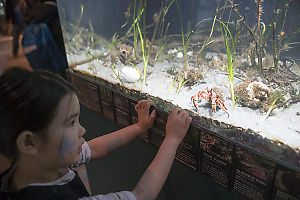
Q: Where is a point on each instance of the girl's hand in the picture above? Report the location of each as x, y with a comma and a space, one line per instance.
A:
177, 125
144, 121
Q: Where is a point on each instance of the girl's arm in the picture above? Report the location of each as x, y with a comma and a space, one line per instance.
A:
154, 177
103, 145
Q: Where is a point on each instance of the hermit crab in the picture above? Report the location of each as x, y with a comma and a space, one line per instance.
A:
209, 95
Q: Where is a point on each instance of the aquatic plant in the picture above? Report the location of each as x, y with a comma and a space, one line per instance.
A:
272, 107
230, 44
274, 100
181, 84
173, 83
113, 42
116, 73
162, 21
144, 53
185, 41
207, 41
127, 14
260, 35
136, 19
137, 69
160, 51
135, 33
256, 35
88, 53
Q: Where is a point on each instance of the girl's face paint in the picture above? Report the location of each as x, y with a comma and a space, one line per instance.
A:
62, 144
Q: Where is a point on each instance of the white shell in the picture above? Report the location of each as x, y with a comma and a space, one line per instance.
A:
190, 53
129, 75
179, 55
172, 51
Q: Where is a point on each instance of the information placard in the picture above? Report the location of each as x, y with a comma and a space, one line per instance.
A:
253, 174
94, 100
188, 150
286, 185
215, 158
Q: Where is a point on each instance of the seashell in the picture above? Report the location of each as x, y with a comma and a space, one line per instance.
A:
172, 51
129, 74
179, 55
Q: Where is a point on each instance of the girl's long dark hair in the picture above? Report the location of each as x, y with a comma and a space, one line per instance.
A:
28, 101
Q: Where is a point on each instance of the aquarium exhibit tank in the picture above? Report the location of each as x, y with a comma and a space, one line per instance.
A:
233, 65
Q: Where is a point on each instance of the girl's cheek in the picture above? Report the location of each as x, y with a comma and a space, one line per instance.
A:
66, 148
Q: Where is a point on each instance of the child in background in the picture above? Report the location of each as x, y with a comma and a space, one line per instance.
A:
42, 137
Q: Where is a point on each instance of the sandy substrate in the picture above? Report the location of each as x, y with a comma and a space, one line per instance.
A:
283, 125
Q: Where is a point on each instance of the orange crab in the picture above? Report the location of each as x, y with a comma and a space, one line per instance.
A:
209, 95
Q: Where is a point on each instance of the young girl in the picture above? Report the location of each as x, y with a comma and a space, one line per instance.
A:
42, 137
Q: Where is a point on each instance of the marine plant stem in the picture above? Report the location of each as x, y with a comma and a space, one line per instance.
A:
230, 50
116, 73
162, 22
173, 83
160, 51
141, 79
185, 41
156, 22
113, 42
272, 107
281, 26
135, 33
207, 42
181, 83
145, 56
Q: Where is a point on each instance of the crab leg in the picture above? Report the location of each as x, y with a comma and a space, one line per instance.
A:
213, 104
195, 100
222, 105
199, 95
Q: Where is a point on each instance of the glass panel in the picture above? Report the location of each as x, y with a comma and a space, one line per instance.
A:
236, 62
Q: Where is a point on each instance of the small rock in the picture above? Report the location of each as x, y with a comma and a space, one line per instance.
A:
244, 60
210, 55
298, 113
216, 58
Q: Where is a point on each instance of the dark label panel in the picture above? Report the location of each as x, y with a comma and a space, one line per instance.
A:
94, 101
131, 108
160, 121
121, 102
122, 118
80, 85
108, 111
143, 136
106, 95
157, 136
216, 158
253, 174
188, 150
286, 185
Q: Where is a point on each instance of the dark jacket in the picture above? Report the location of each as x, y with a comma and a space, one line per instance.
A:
13, 12
46, 11
73, 190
